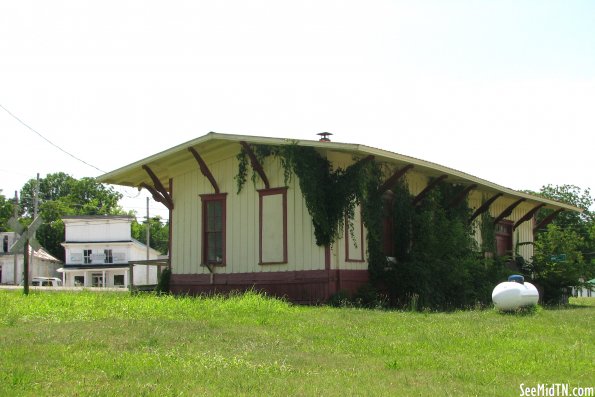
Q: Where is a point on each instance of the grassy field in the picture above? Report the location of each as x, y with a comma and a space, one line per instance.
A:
114, 344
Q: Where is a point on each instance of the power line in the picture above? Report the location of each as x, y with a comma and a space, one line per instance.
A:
50, 142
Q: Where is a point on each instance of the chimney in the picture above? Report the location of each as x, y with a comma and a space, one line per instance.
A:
324, 136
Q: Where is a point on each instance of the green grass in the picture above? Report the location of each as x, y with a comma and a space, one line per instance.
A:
114, 344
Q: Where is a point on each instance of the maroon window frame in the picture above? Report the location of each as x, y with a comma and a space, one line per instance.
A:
214, 219
348, 237
270, 192
504, 235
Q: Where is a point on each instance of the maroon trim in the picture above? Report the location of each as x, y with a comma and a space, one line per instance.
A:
461, 196
390, 182
256, 164
504, 242
171, 230
428, 188
308, 286
167, 201
485, 206
547, 220
508, 210
348, 237
272, 192
204, 169
213, 197
528, 215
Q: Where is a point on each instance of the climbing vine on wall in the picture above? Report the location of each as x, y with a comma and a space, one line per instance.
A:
331, 195
488, 233
437, 260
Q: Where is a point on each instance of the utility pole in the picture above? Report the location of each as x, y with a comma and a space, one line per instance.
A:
36, 198
35, 209
148, 239
16, 216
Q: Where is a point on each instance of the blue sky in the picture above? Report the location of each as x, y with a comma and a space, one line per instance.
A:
504, 90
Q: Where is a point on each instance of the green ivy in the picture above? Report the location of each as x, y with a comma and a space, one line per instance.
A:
488, 233
331, 195
438, 263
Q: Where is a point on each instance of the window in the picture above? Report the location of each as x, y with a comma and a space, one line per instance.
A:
109, 258
504, 238
213, 228
79, 281
272, 226
354, 237
118, 280
96, 280
5, 244
87, 256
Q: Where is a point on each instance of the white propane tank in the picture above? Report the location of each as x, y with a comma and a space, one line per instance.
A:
511, 295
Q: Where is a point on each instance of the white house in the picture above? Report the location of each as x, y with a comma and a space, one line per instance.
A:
585, 291
42, 263
98, 250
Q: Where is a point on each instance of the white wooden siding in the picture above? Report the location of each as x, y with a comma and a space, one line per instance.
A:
242, 221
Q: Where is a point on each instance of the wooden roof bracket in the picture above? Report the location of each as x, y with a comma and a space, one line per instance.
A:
156, 195
158, 192
461, 196
508, 210
255, 164
528, 215
398, 174
485, 206
204, 169
427, 189
547, 220
366, 159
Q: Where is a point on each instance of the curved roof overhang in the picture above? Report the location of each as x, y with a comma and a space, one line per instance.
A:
179, 159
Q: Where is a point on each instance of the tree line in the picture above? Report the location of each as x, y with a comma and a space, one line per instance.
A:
564, 251
62, 195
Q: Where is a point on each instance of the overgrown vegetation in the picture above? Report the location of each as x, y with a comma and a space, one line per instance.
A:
58, 343
437, 261
331, 195
564, 252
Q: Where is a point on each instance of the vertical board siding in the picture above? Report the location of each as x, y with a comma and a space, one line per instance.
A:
272, 238
242, 227
522, 234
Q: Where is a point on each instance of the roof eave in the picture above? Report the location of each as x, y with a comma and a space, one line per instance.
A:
115, 177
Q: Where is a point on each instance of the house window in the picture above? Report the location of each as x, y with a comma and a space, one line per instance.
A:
272, 228
504, 238
118, 280
109, 258
5, 244
87, 256
96, 280
79, 281
213, 228
354, 237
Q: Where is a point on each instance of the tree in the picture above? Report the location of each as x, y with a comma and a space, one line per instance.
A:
557, 263
60, 195
564, 251
159, 233
6, 210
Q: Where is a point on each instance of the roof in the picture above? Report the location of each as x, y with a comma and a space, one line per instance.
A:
40, 254
97, 217
166, 164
